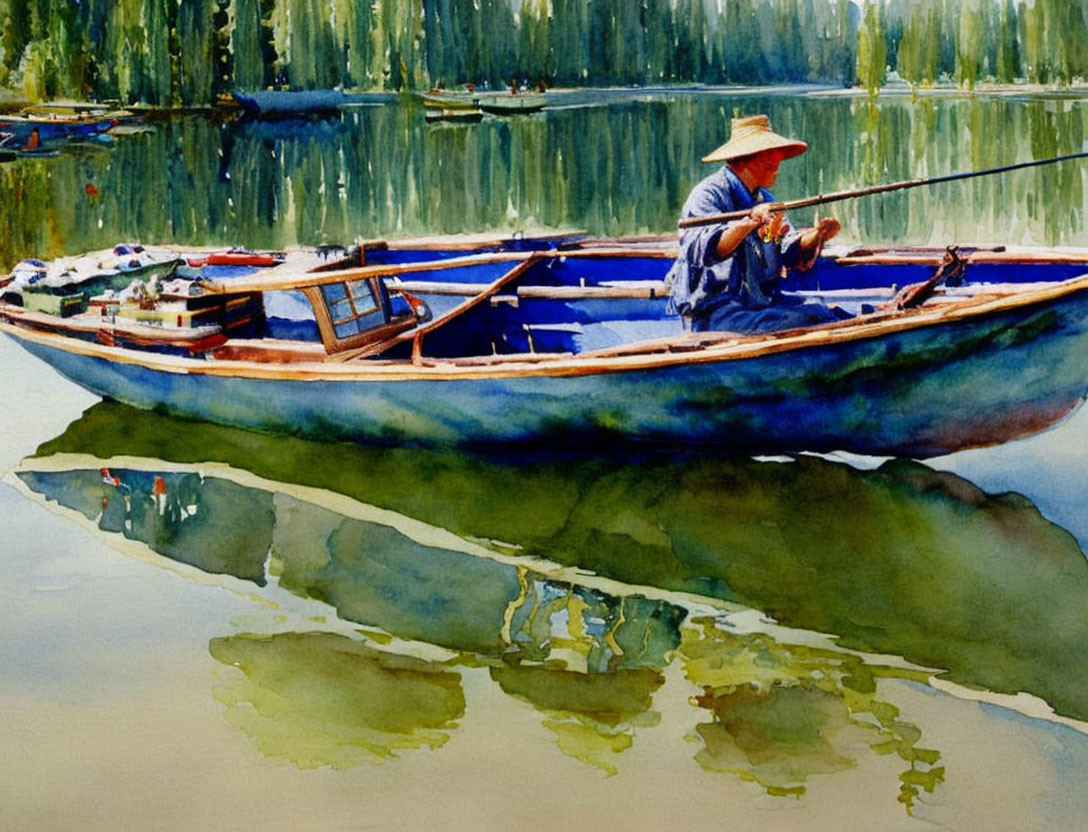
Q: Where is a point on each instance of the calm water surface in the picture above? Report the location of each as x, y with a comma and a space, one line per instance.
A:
208, 628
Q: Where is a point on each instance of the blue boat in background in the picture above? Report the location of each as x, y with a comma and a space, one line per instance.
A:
287, 103
55, 129
560, 338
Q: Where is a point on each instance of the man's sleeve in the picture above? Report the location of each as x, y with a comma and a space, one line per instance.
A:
699, 245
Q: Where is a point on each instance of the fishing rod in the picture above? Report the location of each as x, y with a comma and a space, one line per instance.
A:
838, 196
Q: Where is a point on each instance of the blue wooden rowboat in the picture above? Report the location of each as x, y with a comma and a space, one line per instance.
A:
571, 343
288, 103
54, 129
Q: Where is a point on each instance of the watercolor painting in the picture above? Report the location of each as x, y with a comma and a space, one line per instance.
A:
405, 427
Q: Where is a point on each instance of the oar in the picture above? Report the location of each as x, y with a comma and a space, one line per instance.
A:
838, 196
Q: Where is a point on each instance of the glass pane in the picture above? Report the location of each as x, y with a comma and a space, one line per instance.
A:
333, 292
346, 329
341, 310
363, 294
371, 319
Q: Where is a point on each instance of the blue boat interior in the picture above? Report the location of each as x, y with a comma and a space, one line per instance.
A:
523, 318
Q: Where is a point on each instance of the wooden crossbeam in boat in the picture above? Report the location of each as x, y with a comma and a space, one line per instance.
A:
643, 289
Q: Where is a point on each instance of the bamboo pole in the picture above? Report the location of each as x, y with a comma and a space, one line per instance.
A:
838, 196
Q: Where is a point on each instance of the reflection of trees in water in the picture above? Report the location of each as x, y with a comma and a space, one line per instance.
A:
785, 713
594, 716
376, 172
583, 629
897, 139
321, 699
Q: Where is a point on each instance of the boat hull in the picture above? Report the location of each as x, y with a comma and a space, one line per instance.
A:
919, 390
512, 105
287, 103
450, 101
55, 129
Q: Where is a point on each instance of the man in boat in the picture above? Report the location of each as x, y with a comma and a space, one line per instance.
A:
727, 274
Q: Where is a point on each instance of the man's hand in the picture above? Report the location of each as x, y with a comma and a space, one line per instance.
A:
771, 224
763, 213
827, 228
815, 237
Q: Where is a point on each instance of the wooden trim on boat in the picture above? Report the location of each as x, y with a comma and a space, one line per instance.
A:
686, 349
277, 279
464, 242
269, 351
929, 258
94, 324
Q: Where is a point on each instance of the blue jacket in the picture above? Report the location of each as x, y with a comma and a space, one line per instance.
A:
699, 281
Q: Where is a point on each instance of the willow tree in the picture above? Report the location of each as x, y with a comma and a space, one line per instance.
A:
568, 36
872, 48
445, 62
246, 35
534, 50
1007, 64
196, 75
969, 45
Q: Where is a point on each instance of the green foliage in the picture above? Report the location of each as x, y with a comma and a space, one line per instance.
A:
872, 48
172, 52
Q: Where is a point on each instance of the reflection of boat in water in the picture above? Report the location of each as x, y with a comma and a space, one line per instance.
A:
515, 345
456, 116
319, 127
901, 560
586, 652
12, 148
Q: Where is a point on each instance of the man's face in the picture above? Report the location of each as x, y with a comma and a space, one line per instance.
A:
764, 168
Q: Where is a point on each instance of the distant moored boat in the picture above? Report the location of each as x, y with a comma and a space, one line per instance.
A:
468, 115
290, 102
511, 105
443, 100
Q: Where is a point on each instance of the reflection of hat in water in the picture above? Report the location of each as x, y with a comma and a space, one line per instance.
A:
751, 135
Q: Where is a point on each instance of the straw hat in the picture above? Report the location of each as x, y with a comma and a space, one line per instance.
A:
751, 135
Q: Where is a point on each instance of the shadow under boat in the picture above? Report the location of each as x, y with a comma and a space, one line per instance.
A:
901, 560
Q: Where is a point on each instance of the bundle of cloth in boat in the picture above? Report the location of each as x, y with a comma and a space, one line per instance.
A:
727, 275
